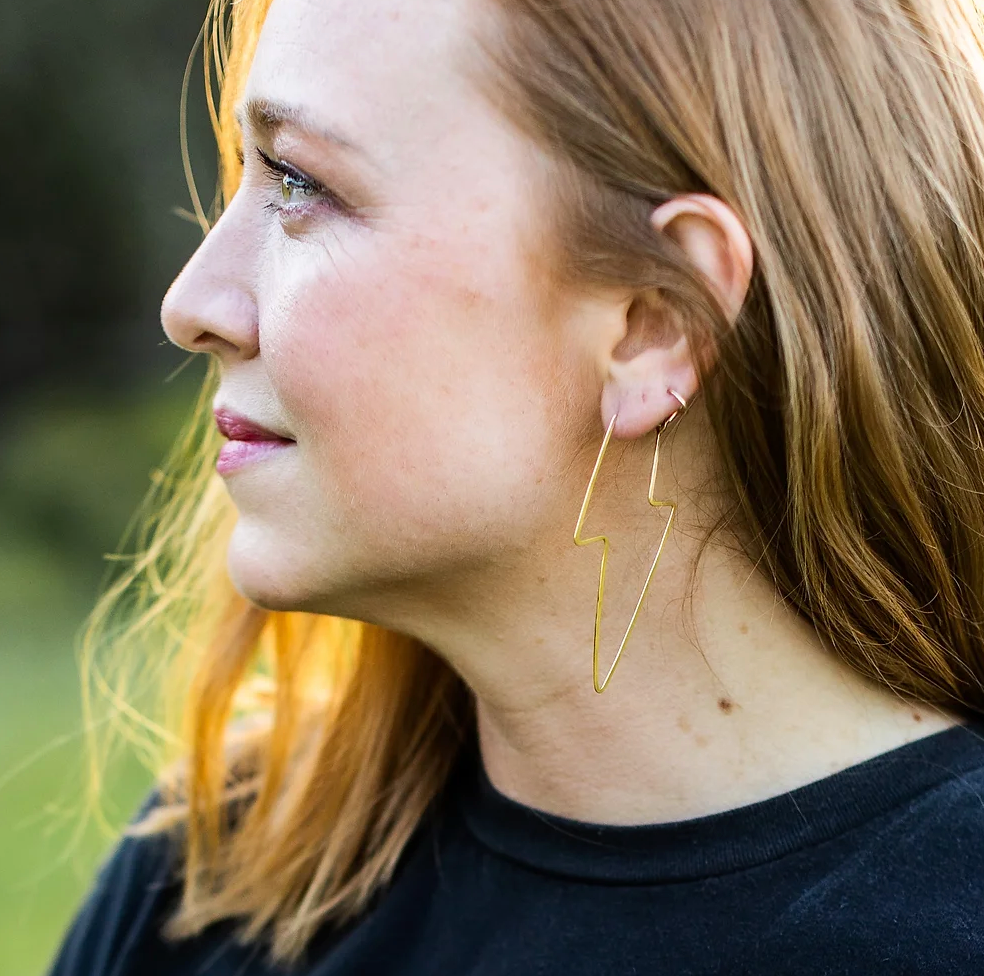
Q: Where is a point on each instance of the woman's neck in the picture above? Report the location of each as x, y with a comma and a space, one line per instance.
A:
717, 702
679, 735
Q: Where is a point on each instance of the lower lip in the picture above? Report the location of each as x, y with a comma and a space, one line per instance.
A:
236, 454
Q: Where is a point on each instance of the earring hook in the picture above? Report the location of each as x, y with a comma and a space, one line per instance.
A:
677, 412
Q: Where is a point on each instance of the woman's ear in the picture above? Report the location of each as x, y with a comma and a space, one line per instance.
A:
715, 240
654, 355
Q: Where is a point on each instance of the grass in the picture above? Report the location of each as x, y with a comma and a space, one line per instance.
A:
71, 472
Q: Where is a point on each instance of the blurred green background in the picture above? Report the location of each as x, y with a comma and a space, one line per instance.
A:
90, 179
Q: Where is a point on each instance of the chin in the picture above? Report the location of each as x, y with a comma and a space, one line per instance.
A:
264, 589
275, 572
272, 576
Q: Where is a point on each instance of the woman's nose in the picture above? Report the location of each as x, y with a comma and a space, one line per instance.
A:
208, 307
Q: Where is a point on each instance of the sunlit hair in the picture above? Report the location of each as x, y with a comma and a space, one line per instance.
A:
846, 401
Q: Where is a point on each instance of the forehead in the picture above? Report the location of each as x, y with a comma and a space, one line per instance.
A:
383, 71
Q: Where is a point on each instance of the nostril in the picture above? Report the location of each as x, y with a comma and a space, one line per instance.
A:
220, 320
207, 341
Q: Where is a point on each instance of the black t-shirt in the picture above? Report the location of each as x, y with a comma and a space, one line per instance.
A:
876, 869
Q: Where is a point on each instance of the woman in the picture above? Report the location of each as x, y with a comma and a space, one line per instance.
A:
701, 282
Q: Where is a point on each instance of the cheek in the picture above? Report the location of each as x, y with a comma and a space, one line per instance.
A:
419, 382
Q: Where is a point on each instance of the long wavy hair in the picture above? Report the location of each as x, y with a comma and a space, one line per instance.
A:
847, 402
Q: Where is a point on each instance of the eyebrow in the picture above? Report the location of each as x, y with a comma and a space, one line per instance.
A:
265, 116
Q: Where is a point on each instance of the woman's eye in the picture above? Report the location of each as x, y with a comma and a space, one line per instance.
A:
288, 184
295, 187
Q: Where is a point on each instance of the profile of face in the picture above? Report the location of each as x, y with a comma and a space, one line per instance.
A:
376, 295
371, 293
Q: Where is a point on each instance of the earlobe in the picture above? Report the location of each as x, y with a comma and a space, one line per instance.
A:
652, 357
643, 403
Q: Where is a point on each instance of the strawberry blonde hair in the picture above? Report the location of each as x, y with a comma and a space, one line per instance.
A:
847, 403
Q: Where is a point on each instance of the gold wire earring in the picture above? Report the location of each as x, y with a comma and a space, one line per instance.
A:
604, 538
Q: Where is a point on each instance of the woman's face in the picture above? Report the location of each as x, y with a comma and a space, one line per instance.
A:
388, 308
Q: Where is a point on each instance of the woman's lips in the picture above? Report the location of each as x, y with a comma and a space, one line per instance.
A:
237, 453
248, 441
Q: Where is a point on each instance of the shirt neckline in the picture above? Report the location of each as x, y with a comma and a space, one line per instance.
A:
721, 842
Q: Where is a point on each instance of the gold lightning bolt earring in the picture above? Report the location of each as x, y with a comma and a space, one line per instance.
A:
604, 538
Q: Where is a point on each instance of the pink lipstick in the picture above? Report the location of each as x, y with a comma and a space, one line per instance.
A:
248, 441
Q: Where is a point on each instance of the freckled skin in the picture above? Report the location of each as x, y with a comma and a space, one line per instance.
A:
412, 353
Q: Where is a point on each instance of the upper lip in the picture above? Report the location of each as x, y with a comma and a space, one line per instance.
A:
239, 428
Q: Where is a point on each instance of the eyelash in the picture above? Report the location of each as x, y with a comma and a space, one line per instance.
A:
277, 170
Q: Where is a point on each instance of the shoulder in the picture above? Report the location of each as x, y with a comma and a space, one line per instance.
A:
903, 894
122, 903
